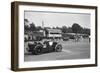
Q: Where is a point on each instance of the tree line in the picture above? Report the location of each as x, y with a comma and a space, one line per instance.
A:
75, 28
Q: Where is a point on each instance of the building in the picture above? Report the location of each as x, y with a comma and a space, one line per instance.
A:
54, 33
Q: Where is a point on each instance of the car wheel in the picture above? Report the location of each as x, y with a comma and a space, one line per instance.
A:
58, 48
38, 50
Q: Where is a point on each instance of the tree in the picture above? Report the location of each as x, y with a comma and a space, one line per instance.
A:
86, 31
69, 30
76, 28
53, 27
58, 27
32, 27
46, 32
26, 26
47, 27
64, 29
39, 28
26, 20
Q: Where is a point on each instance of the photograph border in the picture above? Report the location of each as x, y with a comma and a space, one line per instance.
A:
15, 34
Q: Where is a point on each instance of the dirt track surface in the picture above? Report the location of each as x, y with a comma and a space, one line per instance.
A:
71, 50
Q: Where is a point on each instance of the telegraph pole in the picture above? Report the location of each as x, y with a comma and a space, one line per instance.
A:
43, 28
43, 24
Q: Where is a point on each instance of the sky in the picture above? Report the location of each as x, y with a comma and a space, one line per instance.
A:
55, 19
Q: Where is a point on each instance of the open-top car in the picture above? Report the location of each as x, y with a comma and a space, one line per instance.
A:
38, 47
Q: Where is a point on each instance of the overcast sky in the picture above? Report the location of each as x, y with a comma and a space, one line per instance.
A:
52, 19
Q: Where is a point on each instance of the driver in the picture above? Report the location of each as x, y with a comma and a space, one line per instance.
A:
51, 42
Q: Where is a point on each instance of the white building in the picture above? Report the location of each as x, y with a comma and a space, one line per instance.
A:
54, 33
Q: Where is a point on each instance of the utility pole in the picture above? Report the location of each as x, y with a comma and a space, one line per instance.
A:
43, 28
43, 24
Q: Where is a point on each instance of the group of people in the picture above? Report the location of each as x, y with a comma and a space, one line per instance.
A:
78, 38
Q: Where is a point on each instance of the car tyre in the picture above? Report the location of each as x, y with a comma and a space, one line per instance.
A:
38, 50
58, 48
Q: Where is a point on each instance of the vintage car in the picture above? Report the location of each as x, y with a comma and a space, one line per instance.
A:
43, 47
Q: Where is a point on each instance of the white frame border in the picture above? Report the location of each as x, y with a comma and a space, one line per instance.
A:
34, 64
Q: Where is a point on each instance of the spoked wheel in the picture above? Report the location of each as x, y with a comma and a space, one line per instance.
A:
38, 50
58, 48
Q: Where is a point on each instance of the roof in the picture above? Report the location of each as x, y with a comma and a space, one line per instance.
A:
73, 34
54, 30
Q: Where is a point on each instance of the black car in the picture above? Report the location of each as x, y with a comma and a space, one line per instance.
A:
44, 47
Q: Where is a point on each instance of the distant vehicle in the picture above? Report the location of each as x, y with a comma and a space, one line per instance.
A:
65, 38
38, 48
